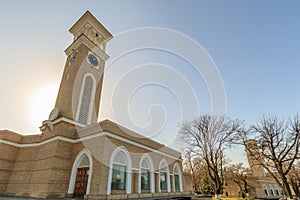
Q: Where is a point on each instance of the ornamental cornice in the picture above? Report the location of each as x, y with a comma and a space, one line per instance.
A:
82, 39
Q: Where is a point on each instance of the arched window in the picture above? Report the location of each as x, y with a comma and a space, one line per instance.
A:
86, 99
276, 190
265, 190
177, 178
282, 192
164, 177
146, 178
271, 190
81, 175
119, 180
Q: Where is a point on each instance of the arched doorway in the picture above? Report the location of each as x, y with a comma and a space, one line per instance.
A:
80, 180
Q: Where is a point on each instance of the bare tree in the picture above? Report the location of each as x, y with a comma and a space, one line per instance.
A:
207, 137
276, 148
238, 174
195, 167
188, 165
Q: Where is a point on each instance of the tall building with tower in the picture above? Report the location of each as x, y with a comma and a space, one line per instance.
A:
263, 184
260, 184
77, 156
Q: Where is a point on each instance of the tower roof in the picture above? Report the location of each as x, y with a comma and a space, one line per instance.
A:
88, 19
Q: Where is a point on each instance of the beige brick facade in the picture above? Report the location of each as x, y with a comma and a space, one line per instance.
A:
43, 168
260, 184
47, 165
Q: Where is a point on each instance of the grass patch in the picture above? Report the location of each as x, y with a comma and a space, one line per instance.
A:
233, 198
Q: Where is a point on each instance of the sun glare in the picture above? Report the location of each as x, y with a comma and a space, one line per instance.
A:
42, 103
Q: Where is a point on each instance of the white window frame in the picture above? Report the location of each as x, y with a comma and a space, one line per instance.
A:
163, 164
271, 189
267, 189
151, 169
276, 188
180, 177
128, 168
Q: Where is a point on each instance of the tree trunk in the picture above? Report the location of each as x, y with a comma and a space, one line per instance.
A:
246, 188
295, 188
241, 190
218, 192
218, 196
286, 186
218, 187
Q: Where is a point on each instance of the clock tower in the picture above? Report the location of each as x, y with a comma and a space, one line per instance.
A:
78, 98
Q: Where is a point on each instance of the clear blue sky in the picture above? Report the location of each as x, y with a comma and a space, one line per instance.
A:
255, 45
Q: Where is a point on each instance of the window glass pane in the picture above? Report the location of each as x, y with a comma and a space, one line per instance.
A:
176, 177
266, 192
145, 179
163, 180
118, 177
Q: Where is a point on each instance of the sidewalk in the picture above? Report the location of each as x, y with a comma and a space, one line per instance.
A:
28, 198
17, 198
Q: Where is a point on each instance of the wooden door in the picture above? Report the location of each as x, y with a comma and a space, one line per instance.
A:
81, 182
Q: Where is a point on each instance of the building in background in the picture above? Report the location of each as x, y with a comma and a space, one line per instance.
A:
260, 184
75, 156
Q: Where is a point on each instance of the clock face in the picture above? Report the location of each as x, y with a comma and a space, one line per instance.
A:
93, 60
73, 57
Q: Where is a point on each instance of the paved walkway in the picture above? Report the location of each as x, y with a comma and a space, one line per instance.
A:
30, 198
17, 198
